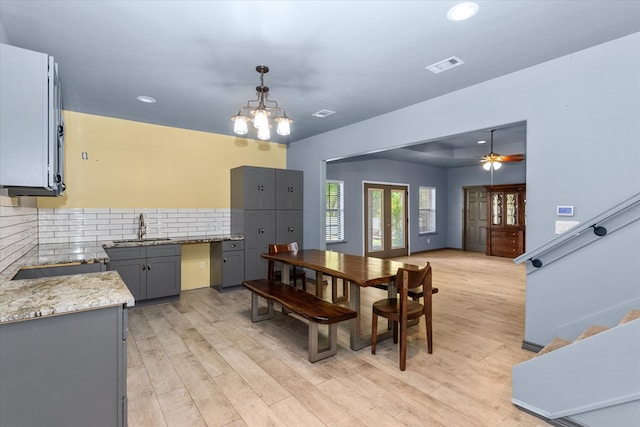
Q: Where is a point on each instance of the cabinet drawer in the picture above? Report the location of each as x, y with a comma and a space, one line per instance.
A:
232, 245
504, 233
509, 241
163, 250
116, 254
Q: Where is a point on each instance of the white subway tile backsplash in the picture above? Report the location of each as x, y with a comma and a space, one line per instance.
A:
93, 224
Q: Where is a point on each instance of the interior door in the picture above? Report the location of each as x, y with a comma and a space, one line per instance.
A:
386, 220
475, 219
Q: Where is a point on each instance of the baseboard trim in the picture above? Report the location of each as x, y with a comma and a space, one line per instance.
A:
558, 422
526, 345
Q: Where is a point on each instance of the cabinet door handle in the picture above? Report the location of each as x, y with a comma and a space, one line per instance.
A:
224, 260
144, 267
149, 267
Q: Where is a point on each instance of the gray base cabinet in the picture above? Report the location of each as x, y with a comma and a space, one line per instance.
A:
68, 370
227, 263
149, 271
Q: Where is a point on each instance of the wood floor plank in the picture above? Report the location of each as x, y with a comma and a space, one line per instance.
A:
144, 409
253, 410
206, 354
258, 379
293, 413
163, 376
214, 407
179, 409
169, 339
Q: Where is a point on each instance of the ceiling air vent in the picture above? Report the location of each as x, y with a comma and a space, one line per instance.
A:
445, 65
323, 113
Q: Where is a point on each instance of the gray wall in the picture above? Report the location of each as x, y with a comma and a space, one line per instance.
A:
355, 173
583, 130
4, 38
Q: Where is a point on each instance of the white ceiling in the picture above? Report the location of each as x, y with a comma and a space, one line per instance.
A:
358, 58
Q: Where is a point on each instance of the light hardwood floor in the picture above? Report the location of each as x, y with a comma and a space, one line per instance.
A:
201, 362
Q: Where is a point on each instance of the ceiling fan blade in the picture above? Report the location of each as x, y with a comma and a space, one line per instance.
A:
512, 158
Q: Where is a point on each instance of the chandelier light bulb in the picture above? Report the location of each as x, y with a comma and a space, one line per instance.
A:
260, 121
240, 124
264, 133
283, 126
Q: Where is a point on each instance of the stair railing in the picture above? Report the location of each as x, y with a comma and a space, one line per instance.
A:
589, 231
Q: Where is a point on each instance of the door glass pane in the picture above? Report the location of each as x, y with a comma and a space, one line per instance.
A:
376, 219
512, 209
397, 219
496, 209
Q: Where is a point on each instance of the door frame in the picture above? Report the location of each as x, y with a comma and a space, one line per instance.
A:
407, 188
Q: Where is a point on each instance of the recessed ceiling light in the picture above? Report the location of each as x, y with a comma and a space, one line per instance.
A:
482, 141
462, 11
147, 99
323, 113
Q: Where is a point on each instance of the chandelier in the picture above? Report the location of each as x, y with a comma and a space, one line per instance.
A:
258, 111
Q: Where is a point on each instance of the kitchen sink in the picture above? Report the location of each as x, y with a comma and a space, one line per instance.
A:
150, 239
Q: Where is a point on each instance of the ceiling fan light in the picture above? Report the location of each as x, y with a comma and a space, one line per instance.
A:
496, 165
283, 126
486, 166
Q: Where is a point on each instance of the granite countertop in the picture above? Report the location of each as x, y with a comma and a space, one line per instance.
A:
33, 298
47, 296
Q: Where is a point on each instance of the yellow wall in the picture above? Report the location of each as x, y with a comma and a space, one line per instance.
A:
195, 266
140, 165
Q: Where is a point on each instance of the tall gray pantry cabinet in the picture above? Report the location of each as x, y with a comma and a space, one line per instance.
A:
266, 207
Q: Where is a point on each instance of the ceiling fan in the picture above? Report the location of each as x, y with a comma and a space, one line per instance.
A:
494, 161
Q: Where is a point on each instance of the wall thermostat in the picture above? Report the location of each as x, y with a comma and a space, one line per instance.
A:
565, 210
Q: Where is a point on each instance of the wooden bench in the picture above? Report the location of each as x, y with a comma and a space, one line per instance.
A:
313, 309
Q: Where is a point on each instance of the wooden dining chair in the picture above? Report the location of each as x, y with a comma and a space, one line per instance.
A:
402, 309
294, 273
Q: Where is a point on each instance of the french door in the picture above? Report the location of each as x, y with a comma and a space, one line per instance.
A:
386, 220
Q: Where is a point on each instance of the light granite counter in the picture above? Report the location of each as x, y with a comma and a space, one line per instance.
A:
49, 296
33, 298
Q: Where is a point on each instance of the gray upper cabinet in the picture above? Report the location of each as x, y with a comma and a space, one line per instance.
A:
288, 189
253, 188
31, 128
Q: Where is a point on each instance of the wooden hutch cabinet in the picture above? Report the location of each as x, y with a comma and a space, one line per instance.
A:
505, 220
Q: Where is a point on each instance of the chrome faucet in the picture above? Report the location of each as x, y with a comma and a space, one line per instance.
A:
142, 230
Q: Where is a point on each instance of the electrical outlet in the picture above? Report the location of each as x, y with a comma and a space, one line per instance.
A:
428, 240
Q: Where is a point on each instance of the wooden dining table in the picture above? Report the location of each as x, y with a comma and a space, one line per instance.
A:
359, 271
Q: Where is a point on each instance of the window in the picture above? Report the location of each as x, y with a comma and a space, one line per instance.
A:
427, 210
334, 211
